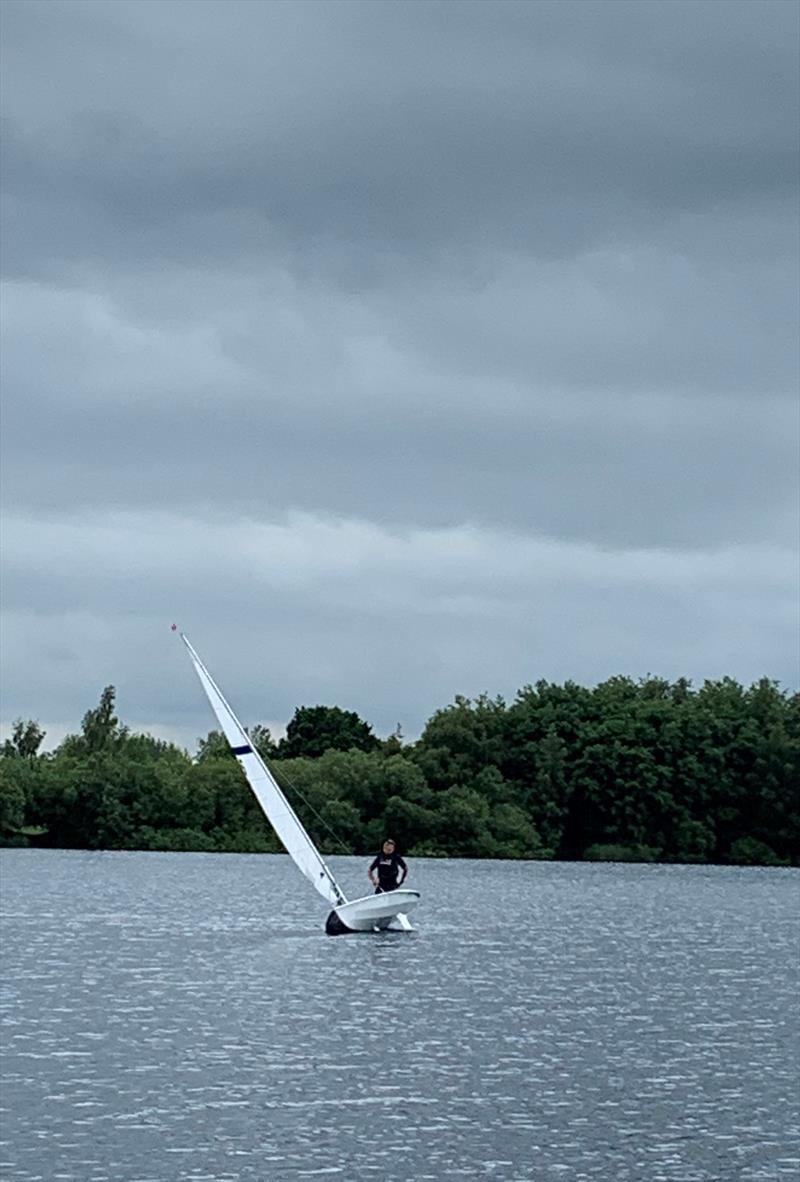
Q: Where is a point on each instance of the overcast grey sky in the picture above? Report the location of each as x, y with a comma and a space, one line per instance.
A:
395, 350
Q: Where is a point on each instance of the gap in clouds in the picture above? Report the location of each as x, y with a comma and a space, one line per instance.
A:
280, 608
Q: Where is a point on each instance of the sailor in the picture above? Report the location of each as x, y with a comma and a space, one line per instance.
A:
387, 864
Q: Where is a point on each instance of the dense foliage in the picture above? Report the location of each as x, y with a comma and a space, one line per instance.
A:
647, 770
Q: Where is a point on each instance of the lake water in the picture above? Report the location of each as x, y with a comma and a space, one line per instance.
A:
183, 1016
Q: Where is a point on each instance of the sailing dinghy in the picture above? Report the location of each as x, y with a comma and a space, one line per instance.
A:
373, 913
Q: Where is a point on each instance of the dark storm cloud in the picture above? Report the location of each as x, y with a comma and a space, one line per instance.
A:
271, 399
415, 268
548, 128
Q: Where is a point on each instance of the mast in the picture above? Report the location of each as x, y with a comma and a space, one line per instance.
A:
267, 791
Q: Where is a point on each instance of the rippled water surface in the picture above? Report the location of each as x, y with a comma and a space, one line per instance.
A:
183, 1016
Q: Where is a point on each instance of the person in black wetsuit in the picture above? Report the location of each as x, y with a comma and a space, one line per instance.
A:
384, 869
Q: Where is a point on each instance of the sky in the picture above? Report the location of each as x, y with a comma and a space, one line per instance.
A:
394, 350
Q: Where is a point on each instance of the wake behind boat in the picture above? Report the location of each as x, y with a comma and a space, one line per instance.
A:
371, 913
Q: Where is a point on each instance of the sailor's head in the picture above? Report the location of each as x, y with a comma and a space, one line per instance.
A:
389, 845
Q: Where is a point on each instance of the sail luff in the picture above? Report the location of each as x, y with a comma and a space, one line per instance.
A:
267, 791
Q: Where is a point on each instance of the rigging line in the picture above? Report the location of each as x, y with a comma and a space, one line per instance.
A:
285, 782
312, 810
271, 771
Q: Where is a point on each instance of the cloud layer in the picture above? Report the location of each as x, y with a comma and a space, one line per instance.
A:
399, 350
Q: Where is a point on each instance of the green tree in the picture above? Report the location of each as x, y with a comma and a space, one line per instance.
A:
220, 804
342, 821
628, 769
514, 834
261, 738
20, 772
748, 851
413, 826
463, 823
548, 797
26, 739
214, 747
461, 741
772, 779
12, 803
101, 727
313, 730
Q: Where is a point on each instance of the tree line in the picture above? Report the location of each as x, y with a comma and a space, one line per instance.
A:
646, 770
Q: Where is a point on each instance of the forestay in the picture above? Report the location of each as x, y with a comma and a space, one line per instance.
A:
277, 809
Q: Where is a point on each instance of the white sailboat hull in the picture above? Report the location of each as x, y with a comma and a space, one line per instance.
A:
376, 912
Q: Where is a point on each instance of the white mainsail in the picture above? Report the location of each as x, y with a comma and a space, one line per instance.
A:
277, 809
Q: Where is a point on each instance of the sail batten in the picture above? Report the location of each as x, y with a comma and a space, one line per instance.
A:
267, 791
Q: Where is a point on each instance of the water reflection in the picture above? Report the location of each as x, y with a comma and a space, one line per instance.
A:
184, 1017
